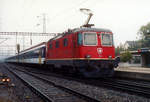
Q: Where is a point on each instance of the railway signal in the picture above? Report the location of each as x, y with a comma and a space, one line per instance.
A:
4, 79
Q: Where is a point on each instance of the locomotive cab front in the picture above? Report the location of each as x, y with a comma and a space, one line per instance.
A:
96, 52
96, 45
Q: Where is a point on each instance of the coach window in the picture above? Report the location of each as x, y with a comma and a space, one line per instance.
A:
57, 44
50, 46
65, 42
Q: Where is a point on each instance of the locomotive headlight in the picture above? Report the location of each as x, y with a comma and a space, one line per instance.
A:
110, 57
3, 80
8, 80
88, 56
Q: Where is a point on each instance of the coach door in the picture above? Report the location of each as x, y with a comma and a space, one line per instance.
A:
40, 56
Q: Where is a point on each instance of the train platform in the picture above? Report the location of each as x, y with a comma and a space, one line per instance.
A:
141, 73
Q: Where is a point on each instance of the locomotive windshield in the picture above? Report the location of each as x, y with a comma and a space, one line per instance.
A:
107, 39
90, 38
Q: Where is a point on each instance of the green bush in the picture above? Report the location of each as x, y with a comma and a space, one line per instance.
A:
125, 57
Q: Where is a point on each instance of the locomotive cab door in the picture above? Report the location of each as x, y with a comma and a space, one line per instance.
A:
75, 46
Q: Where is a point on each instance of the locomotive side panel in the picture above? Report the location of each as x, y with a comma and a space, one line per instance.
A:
61, 51
60, 48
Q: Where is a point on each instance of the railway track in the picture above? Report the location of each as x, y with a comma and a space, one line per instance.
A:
128, 86
142, 89
50, 91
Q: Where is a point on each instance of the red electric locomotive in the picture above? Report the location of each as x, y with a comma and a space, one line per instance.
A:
85, 50
89, 51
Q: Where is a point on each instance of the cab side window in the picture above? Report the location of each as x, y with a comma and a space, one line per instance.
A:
80, 39
65, 42
57, 44
50, 46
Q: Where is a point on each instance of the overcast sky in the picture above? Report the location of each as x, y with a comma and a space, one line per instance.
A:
123, 17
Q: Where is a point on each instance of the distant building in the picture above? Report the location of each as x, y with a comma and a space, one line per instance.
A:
131, 44
140, 58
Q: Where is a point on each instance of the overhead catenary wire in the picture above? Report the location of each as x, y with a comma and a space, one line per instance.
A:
69, 9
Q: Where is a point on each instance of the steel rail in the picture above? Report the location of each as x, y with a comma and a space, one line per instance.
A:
124, 85
36, 91
128, 87
84, 97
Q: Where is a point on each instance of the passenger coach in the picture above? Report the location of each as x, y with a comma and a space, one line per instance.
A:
33, 55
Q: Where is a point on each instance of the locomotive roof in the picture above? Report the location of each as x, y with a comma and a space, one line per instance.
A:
70, 31
92, 29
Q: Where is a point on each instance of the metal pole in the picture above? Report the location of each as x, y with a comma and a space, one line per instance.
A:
44, 23
23, 41
16, 42
30, 38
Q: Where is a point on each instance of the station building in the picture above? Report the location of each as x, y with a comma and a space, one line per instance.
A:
140, 58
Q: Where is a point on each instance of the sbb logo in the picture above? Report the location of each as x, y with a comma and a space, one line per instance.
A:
99, 50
